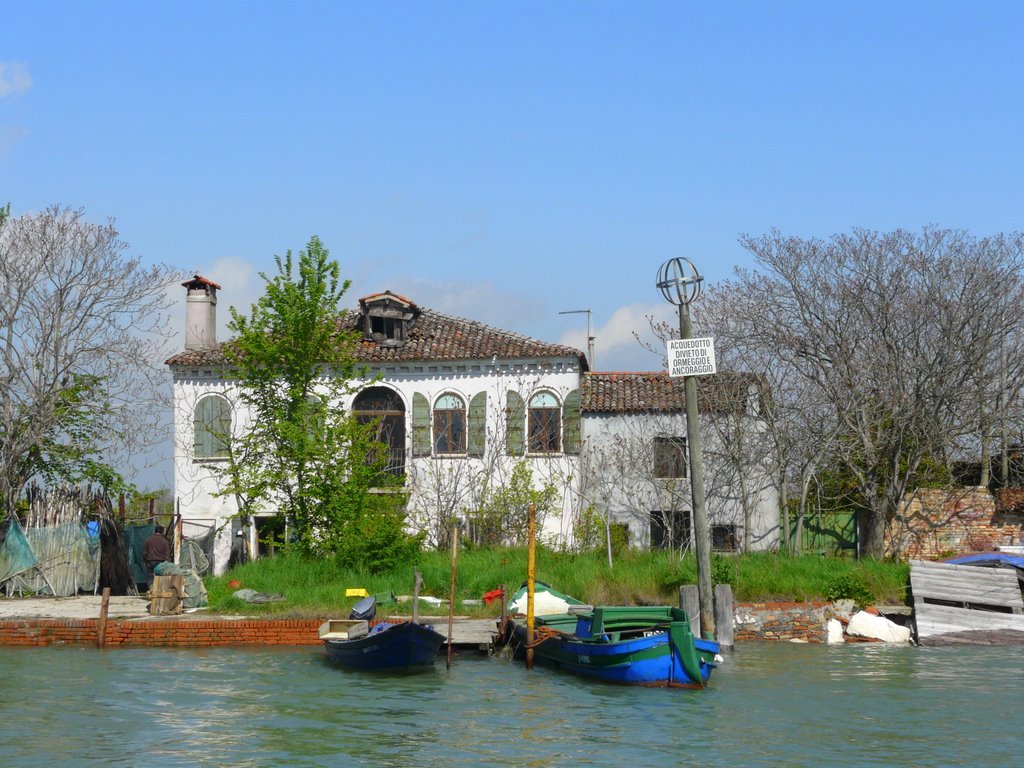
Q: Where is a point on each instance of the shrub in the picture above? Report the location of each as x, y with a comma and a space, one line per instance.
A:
723, 570
849, 586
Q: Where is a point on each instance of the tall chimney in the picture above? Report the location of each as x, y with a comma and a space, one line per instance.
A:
200, 313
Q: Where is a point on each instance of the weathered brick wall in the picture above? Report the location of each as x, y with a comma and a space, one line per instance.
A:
935, 522
781, 621
154, 632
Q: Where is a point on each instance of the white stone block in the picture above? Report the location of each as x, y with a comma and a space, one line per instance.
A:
864, 624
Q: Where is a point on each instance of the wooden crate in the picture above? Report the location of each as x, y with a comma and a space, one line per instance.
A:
343, 629
166, 594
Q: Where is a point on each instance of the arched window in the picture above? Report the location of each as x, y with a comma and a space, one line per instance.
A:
450, 424
544, 423
384, 407
212, 427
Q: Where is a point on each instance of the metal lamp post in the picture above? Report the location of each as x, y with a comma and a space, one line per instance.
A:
680, 283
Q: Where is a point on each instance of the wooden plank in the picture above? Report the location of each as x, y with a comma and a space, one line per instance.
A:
965, 584
942, 619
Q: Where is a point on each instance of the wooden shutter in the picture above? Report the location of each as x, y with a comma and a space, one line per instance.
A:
420, 425
212, 426
201, 420
478, 424
571, 422
515, 424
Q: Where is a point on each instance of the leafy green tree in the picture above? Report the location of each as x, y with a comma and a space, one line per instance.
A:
302, 453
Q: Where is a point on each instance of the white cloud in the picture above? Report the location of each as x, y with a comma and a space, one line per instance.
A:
14, 78
616, 343
480, 301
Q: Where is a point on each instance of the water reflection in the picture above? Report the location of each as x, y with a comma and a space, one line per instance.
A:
769, 704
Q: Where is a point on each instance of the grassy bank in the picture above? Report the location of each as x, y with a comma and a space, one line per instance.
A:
316, 588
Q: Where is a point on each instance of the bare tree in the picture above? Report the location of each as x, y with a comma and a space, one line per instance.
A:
83, 333
891, 330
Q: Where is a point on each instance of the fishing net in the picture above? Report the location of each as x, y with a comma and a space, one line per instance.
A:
59, 560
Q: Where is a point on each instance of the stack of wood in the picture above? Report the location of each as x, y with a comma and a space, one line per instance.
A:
166, 595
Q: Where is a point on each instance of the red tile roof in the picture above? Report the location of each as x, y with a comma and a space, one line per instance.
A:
433, 337
200, 280
657, 392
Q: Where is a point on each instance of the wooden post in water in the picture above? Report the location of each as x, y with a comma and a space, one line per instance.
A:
451, 594
724, 619
503, 626
101, 627
531, 572
416, 581
689, 601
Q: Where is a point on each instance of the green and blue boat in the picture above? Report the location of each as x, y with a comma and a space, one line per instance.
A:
631, 645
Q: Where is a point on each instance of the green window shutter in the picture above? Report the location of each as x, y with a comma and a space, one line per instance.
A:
212, 426
222, 428
203, 448
420, 425
571, 422
515, 424
477, 424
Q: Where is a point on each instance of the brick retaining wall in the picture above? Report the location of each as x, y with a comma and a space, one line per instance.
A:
754, 621
182, 633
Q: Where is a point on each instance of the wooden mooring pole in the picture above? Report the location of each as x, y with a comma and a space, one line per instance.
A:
101, 626
531, 572
451, 594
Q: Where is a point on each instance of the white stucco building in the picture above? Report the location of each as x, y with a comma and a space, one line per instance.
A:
465, 403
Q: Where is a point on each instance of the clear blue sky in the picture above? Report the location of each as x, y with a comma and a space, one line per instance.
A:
508, 161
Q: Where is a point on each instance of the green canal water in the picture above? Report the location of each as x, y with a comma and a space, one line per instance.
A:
768, 705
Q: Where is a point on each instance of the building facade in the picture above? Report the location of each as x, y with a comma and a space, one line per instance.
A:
465, 406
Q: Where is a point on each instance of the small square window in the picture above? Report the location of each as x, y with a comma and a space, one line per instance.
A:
724, 538
669, 457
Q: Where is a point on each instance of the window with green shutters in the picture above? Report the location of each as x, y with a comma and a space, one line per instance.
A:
478, 424
212, 427
515, 424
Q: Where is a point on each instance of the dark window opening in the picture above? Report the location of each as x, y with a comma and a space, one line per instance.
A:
670, 529
388, 327
384, 407
724, 538
669, 457
544, 424
450, 424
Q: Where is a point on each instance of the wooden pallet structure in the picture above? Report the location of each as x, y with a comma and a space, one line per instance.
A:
955, 599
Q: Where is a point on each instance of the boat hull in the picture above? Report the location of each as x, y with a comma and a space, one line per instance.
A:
400, 647
667, 656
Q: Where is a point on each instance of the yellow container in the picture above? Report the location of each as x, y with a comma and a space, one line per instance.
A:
357, 592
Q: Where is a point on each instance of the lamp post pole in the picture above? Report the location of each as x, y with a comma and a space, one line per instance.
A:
680, 283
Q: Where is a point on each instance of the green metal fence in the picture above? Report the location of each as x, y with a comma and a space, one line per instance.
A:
827, 533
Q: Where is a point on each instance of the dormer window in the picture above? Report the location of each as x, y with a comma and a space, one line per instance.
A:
387, 318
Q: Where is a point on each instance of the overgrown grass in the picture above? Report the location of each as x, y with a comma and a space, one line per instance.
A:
316, 588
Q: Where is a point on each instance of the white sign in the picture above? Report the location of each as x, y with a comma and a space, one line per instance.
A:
691, 357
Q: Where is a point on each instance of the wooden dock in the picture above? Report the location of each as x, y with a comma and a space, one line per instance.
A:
953, 601
467, 634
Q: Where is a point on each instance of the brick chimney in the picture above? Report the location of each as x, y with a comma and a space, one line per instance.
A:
200, 313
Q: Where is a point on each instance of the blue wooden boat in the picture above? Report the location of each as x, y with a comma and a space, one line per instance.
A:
395, 646
632, 645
